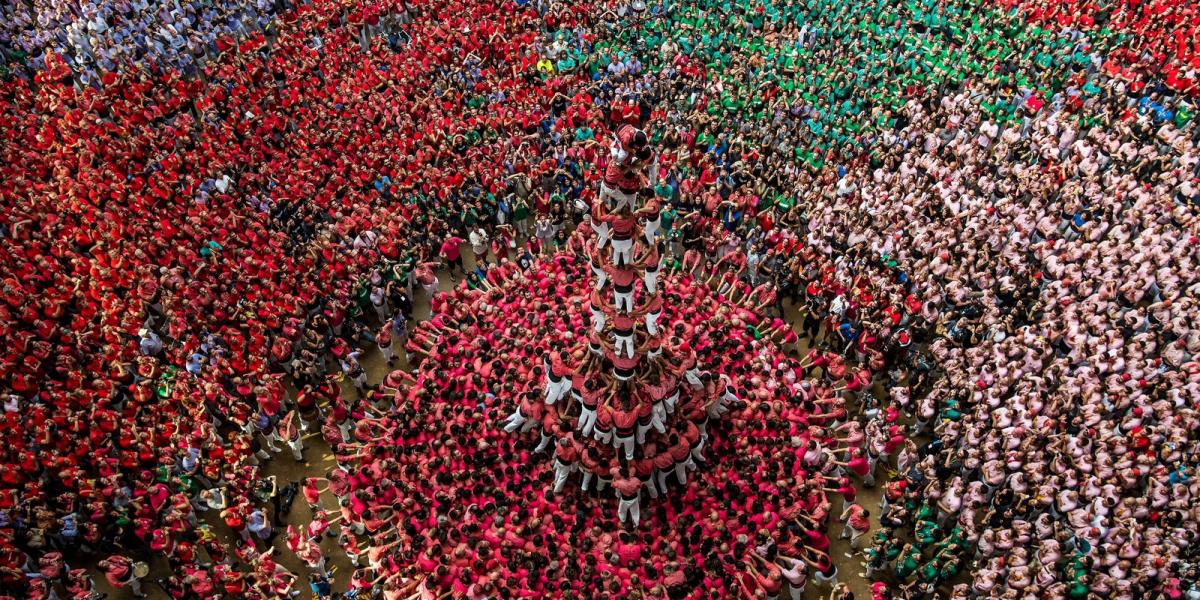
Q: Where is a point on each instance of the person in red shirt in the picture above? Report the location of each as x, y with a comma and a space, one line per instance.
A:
565, 457
452, 254
857, 523
628, 489
123, 572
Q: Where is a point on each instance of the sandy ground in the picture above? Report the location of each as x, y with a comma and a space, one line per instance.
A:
320, 460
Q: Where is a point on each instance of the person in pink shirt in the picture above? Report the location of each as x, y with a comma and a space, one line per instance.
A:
628, 489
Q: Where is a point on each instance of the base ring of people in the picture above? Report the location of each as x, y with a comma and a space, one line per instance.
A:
754, 501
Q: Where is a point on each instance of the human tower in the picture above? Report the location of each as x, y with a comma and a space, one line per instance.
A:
628, 408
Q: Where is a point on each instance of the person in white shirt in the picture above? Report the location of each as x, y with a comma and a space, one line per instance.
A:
479, 240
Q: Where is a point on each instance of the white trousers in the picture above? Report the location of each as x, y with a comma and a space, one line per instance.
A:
652, 322
514, 421
698, 450
431, 288
623, 300
561, 473
600, 275
603, 233
731, 397
658, 417
555, 390
622, 252
598, 319
651, 485
624, 442
796, 593
617, 199
822, 580
681, 473
587, 421
641, 433
650, 278
629, 509
624, 345
650, 229
669, 403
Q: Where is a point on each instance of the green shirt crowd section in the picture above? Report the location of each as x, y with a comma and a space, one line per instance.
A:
847, 68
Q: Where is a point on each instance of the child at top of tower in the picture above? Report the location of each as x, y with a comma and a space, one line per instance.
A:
629, 154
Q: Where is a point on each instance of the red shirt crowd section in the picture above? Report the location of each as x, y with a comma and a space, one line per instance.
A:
1163, 36
146, 192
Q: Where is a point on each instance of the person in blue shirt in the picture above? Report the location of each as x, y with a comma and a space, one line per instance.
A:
503, 211
150, 344
848, 332
1179, 475
1150, 104
320, 586
731, 216
70, 528
525, 260
195, 363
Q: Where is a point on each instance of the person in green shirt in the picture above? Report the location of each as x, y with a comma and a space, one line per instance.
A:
1184, 114
928, 572
908, 562
520, 216
667, 218
474, 281
926, 531
469, 216
949, 569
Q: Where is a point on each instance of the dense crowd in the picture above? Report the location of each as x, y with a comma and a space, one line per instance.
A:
98, 38
94, 38
439, 494
179, 245
990, 226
